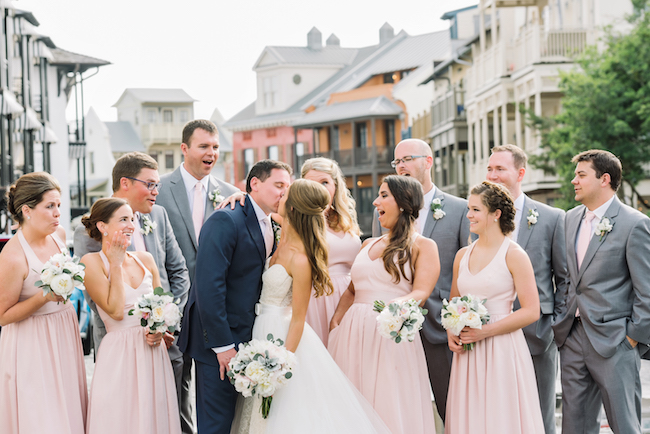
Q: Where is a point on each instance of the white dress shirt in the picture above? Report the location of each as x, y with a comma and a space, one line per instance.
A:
600, 213
190, 181
424, 212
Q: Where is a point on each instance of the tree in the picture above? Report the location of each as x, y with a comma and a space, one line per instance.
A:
606, 105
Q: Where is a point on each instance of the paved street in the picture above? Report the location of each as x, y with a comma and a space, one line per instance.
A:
645, 382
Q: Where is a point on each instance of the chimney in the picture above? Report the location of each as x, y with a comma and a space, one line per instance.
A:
386, 33
333, 41
314, 39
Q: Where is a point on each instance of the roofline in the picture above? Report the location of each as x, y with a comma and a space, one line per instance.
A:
450, 14
344, 120
27, 15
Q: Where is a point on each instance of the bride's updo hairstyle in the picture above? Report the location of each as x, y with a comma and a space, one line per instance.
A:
408, 196
304, 208
29, 190
496, 197
101, 211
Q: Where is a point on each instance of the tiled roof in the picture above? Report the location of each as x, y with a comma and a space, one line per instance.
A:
123, 137
346, 111
304, 55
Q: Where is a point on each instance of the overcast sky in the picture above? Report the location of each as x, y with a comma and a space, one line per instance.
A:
208, 47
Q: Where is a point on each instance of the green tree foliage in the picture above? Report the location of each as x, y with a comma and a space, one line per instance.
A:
606, 105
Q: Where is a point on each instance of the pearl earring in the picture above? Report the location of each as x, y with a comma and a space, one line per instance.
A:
401, 209
496, 220
105, 234
29, 218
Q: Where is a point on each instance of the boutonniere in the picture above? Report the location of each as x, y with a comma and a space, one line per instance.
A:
436, 207
148, 225
603, 228
215, 197
532, 217
277, 230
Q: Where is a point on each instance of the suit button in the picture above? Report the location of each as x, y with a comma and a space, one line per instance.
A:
578, 292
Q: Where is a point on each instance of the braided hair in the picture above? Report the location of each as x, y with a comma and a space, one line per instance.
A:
496, 197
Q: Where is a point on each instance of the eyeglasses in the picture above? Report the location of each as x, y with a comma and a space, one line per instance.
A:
406, 159
151, 186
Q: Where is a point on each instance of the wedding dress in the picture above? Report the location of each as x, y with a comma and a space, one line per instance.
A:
318, 398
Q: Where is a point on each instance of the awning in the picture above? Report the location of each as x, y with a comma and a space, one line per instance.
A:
43, 51
10, 105
48, 135
30, 121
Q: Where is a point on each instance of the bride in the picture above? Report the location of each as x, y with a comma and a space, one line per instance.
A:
319, 398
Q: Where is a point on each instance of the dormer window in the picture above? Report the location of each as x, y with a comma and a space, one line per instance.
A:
270, 90
168, 116
151, 116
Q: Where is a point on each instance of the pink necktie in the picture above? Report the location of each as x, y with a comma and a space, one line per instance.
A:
138, 239
268, 236
584, 237
198, 209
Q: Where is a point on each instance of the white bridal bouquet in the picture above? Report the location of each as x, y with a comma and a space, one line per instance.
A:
465, 311
158, 311
61, 275
401, 320
260, 368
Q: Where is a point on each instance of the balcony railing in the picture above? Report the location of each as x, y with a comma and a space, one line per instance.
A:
449, 107
161, 133
362, 157
496, 62
536, 45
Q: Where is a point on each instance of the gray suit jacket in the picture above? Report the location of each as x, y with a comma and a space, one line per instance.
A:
545, 244
612, 288
173, 197
162, 245
450, 233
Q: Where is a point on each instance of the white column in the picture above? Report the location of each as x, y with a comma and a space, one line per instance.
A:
485, 140
504, 123
518, 140
528, 146
495, 125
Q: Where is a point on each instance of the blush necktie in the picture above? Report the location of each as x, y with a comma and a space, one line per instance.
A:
268, 236
138, 239
584, 237
198, 209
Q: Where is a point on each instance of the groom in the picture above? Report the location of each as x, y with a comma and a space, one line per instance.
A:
233, 247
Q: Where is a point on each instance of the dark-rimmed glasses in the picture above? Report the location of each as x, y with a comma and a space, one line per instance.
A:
151, 186
406, 159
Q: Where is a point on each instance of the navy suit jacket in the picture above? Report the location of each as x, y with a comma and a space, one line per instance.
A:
227, 283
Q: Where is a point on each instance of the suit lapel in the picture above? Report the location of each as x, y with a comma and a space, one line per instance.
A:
253, 227
150, 241
572, 225
430, 222
525, 231
179, 193
597, 240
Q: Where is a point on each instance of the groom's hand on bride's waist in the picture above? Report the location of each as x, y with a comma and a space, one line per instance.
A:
224, 359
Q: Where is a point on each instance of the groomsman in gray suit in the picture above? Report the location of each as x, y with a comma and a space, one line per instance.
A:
136, 180
604, 326
190, 194
442, 219
539, 230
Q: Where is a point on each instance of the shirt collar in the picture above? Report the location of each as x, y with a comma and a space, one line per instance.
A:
190, 181
258, 211
519, 202
601, 210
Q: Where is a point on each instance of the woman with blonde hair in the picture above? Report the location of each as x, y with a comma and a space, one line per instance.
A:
398, 266
42, 372
318, 398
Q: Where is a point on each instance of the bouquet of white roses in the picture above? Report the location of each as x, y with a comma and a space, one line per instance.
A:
158, 311
260, 368
465, 311
400, 320
61, 275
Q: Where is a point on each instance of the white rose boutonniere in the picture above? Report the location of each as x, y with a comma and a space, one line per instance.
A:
532, 217
603, 228
148, 225
215, 197
277, 230
436, 207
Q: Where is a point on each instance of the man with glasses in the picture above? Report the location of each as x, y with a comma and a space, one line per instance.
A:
136, 180
442, 219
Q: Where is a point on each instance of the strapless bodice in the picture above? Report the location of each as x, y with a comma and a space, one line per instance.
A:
276, 287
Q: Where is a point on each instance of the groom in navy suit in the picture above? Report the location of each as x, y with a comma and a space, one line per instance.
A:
233, 247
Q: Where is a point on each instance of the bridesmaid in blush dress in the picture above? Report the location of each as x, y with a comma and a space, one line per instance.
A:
42, 374
133, 388
398, 266
493, 387
342, 239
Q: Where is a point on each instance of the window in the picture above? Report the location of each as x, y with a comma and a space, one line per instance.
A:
151, 116
169, 159
183, 115
249, 160
300, 149
154, 155
362, 135
334, 139
136, 117
271, 132
248, 135
388, 78
91, 156
273, 152
168, 116
270, 89
389, 129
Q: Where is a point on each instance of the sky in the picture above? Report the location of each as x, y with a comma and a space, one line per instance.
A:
209, 47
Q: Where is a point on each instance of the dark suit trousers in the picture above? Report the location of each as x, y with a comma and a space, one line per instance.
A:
588, 377
439, 358
215, 400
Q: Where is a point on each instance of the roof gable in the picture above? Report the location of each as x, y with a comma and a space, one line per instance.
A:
153, 95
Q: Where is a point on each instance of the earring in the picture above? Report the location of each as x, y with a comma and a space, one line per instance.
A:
29, 218
496, 220
401, 209
105, 234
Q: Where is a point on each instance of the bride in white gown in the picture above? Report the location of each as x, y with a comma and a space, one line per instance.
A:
318, 398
